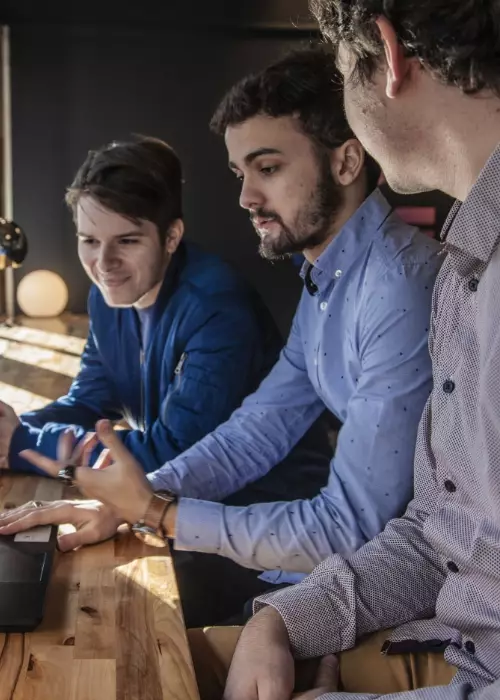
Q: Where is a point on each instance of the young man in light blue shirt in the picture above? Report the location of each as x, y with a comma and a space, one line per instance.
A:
358, 346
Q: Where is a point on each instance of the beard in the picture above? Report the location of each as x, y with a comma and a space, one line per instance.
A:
313, 223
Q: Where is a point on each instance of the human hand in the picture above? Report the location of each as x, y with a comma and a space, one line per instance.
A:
262, 667
8, 425
82, 454
326, 681
122, 486
93, 521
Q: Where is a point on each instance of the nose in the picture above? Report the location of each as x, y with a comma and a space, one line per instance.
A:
250, 195
108, 259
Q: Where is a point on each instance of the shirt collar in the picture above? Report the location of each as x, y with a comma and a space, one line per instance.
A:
351, 240
472, 226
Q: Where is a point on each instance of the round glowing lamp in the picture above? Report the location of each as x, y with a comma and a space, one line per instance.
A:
42, 294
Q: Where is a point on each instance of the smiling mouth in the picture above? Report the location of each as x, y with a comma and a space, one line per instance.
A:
111, 283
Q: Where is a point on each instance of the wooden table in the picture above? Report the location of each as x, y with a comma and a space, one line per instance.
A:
113, 625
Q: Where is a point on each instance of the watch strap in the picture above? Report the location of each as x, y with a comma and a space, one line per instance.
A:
157, 508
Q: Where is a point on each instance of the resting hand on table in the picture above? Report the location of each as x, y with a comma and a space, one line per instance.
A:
92, 520
263, 667
122, 486
8, 425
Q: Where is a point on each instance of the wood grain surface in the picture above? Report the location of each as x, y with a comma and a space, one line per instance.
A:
113, 624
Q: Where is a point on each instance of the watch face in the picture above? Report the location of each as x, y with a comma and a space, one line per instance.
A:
148, 536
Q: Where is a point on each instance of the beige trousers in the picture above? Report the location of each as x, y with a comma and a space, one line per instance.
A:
362, 669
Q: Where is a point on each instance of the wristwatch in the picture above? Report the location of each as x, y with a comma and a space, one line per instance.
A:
150, 528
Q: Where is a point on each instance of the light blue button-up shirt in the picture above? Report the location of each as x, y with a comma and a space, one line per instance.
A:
358, 346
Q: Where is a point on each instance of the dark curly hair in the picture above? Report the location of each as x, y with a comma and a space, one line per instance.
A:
139, 179
304, 83
458, 41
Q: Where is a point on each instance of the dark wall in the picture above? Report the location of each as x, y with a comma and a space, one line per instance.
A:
74, 88
246, 14
77, 86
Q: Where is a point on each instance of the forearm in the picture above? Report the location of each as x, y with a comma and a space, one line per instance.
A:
67, 411
346, 598
256, 437
210, 470
41, 430
239, 452
293, 536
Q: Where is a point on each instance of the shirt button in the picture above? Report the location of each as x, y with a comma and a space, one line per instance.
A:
316, 361
338, 273
450, 486
470, 647
449, 386
323, 306
452, 567
473, 284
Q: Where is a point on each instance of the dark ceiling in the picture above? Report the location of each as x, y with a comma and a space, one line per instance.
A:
245, 14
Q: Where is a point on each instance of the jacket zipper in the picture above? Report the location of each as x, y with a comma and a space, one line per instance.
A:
141, 363
180, 364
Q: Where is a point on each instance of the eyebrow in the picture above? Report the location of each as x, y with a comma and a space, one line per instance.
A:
136, 234
250, 157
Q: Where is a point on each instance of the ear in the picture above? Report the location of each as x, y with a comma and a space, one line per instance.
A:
174, 236
397, 64
347, 162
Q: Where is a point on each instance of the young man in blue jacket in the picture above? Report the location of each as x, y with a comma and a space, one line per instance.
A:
176, 339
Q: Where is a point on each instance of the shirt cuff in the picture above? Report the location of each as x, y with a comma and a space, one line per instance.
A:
310, 614
198, 526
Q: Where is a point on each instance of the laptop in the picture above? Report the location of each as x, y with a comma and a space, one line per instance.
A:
25, 565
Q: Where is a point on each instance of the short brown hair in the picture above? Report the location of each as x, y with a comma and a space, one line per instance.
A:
456, 40
139, 179
304, 83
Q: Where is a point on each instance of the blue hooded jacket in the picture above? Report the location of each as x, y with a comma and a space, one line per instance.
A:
212, 340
